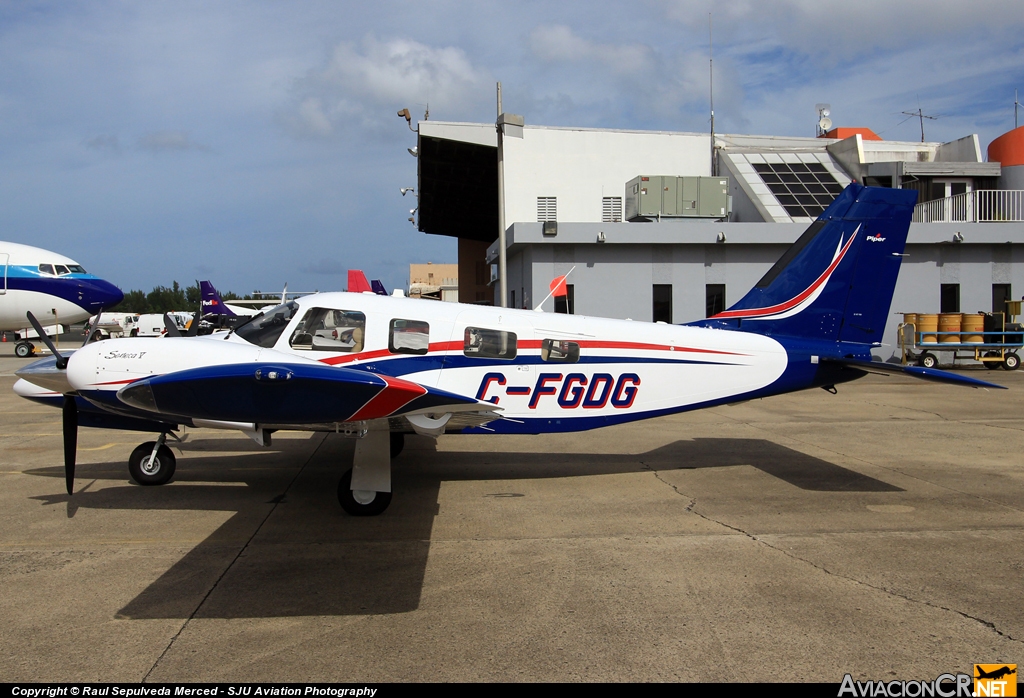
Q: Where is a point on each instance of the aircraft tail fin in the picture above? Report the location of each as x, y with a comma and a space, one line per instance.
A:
211, 302
837, 280
378, 287
357, 282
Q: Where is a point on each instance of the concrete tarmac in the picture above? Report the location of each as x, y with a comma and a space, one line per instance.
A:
877, 532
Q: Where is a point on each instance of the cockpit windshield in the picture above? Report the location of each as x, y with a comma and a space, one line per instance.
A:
265, 329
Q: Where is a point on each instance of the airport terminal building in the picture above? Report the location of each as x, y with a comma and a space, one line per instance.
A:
661, 226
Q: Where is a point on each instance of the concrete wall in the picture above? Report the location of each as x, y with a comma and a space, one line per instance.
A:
580, 167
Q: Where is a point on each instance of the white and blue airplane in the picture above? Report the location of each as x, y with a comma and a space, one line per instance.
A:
377, 367
54, 288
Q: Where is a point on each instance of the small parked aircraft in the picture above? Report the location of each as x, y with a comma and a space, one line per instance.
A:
377, 367
54, 288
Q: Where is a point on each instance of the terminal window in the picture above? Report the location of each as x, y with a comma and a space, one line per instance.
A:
714, 299
949, 298
803, 189
566, 304
662, 303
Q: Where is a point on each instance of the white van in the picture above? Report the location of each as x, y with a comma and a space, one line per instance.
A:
152, 324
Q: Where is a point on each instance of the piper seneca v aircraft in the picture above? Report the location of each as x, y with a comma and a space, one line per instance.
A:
376, 367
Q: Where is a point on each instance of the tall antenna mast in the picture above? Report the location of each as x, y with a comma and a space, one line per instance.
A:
922, 116
1015, 105
711, 69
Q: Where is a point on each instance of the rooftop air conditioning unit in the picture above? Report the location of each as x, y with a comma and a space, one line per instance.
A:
654, 197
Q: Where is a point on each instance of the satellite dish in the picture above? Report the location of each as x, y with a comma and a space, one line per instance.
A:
825, 123
826, 112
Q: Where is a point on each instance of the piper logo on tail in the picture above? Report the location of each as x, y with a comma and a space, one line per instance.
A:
875, 238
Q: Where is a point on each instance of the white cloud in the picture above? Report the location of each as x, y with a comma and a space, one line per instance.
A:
361, 84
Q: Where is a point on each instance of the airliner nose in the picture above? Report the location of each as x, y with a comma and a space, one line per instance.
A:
96, 294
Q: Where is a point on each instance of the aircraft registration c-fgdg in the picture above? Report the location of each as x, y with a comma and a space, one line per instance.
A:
378, 367
52, 287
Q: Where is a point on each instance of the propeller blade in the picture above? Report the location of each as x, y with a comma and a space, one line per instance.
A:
62, 362
70, 415
172, 329
89, 328
193, 328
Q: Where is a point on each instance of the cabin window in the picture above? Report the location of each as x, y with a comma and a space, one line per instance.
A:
266, 328
327, 329
559, 351
46, 269
409, 337
489, 344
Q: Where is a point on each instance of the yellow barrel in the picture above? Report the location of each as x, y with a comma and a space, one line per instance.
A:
927, 322
975, 323
949, 322
910, 319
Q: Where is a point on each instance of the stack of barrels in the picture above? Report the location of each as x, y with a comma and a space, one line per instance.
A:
947, 328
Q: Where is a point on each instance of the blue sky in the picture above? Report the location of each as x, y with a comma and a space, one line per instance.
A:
254, 143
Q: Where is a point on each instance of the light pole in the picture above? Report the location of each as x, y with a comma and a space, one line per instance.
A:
510, 125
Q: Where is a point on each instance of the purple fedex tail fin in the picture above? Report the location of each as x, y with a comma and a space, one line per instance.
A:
837, 280
377, 287
211, 301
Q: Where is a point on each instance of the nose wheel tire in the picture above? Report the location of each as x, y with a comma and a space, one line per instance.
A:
148, 470
361, 502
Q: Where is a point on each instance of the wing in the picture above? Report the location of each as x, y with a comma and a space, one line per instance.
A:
298, 394
930, 374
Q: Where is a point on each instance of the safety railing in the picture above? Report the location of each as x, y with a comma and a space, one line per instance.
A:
981, 206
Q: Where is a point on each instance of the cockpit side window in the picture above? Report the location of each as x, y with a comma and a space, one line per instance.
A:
61, 269
489, 344
327, 329
266, 328
76, 269
47, 269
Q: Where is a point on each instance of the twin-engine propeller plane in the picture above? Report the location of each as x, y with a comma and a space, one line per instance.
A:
377, 367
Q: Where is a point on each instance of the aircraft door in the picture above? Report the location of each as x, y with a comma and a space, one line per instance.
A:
3, 263
482, 342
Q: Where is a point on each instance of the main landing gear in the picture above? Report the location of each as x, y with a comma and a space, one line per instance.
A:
365, 490
152, 463
23, 350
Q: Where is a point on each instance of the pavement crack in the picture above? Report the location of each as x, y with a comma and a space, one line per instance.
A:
275, 502
691, 508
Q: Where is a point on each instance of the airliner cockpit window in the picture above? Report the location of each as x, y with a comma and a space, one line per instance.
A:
61, 269
46, 269
76, 269
266, 328
327, 329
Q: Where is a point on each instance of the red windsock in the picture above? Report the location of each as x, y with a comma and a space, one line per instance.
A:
558, 287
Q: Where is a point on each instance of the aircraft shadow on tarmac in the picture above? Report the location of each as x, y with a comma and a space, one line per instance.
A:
307, 557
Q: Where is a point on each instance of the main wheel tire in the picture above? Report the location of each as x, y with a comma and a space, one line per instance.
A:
992, 365
928, 360
151, 472
397, 443
135, 333
361, 503
23, 350
96, 336
1011, 362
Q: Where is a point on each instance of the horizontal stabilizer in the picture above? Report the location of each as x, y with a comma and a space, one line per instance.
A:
281, 393
929, 374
